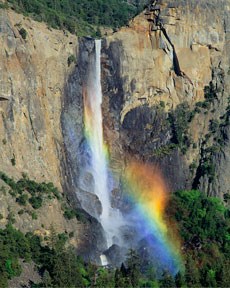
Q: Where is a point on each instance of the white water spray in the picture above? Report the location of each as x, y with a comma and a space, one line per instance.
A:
110, 218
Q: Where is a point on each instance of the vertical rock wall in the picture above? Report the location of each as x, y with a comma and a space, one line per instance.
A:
152, 67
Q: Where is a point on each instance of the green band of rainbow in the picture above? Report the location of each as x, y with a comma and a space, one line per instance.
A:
145, 187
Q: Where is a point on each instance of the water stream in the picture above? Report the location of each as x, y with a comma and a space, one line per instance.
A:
110, 218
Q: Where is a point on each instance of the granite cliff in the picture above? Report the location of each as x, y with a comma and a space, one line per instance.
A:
166, 82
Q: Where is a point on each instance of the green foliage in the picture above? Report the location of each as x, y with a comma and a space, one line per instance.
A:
104, 278
199, 210
3, 6
61, 266
34, 216
80, 16
133, 270
179, 120
225, 119
167, 281
214, 126
210, 94
22, 199
71, 59
36, 202
69, 214
204, 225
162, 104
13, 245
23, 33
13, 161
207, 168
207, 165
38, 191
164, 150
10, 218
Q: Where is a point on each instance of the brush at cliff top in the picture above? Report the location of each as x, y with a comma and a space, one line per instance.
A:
148, 193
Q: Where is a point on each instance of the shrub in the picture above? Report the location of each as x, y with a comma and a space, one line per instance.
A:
34, 216
4, 6
22, 199
10, 218
23, 33
13, 161
210, 92
71, 59
69, 214
162, 104
179, 120
36, 202
214, 125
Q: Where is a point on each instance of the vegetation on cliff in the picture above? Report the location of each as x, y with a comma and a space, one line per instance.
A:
80, 16
204, 226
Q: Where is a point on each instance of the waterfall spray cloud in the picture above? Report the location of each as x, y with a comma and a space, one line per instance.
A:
146, 188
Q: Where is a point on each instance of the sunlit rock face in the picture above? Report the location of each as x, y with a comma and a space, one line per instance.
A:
32, 79
141, 85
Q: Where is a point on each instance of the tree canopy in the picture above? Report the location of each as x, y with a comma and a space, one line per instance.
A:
79, 16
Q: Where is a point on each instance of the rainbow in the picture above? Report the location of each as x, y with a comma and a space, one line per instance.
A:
146, 189
143, 185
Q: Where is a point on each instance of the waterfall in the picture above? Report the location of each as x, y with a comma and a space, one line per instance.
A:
104, 261
142, 227
110, 218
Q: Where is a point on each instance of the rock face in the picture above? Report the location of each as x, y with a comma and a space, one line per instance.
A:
165, 81
79, 183
170, 55
32, 81
33, 73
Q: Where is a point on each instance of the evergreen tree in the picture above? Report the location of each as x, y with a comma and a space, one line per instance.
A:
133, 264
167, 281
179, 280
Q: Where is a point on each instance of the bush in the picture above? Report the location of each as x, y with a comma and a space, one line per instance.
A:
210, 93
22, 199
23, 33
34, 216
10, 218
4, 6
36, 202
69, 214
71, 59
13, 161
179, 120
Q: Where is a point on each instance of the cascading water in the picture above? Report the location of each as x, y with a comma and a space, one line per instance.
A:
110, 218
143, 226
